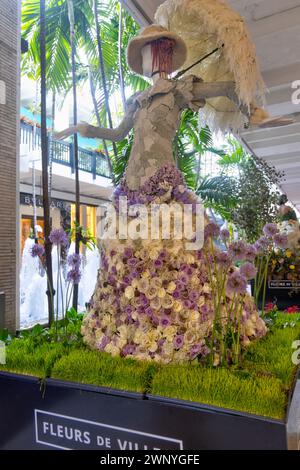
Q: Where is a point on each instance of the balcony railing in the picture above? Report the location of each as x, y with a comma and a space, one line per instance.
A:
63, 153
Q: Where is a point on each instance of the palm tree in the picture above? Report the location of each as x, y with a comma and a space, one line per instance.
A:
44, 144
75, 141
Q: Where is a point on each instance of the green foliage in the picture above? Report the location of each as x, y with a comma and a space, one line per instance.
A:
5, 336
256, 193
218, 193
261, 384
24, 357
95, 368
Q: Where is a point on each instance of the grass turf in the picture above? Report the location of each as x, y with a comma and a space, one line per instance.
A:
261, 386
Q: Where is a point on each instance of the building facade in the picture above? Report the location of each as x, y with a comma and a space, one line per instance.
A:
10, 46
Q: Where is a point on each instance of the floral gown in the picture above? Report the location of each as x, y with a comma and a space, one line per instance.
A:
154, 300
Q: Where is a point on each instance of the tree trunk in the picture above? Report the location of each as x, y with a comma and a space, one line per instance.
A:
44, 145
104, 83
121, 74
75, 142
93, 95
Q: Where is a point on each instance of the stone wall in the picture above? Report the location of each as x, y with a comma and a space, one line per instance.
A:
9, 150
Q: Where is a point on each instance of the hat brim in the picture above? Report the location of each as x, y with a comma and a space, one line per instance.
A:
134, 50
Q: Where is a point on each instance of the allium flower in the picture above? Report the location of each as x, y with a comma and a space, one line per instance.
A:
59, 237
248, 270
224, 234
74, 276
211, 230
281, 240
178, 341
223, 259
37, 250
74, 260
250, 253
262, 244
270, 230
236, 283
237, 250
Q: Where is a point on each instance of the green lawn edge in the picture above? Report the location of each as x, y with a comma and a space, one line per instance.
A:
261, 386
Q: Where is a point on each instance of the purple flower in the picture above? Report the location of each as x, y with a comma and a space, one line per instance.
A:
187, 303
178, 341
158, 263
128, 350
165, 321
236, 283
248, 270
132, 261
176, 294
237, 250
59, 237
223, 259
270, 230
149, 312
224, 234
74, 276
37, 250
250, 253
194, 295
74, 260
261, 244
128, 310
211, 230
104, 342
195, 350
183, 279
281, 240
128, 252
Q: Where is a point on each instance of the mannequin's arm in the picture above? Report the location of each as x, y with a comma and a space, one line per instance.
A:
114, 135
257, 116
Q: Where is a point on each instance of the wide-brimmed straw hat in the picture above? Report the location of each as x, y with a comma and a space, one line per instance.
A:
148, 35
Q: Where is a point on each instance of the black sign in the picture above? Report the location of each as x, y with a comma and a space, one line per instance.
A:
284, 284
27, 200
66, 432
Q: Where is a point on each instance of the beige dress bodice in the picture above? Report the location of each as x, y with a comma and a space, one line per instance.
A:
156, 119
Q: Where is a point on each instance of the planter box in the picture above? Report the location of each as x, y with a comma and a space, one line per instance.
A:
65, 415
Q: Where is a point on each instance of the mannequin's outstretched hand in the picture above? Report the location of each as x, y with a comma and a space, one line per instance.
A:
84, 129
261, 118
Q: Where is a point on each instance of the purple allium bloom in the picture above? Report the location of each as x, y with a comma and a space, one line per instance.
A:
223, 259
37, 250
165, 321
74, 260
236, 283
128, 350
74, 276
211, 230
224, 234
262, 244
59, 237
248, 270
237, 250
104, 342
281, 240
178, 341
250, 253
270, 230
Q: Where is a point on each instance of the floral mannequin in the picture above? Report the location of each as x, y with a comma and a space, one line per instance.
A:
152, 298
289, 224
